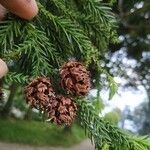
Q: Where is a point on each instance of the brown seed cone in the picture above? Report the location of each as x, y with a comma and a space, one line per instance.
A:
62, 110
39, 93
75, 78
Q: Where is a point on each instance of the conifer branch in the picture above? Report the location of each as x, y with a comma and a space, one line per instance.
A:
101, 13
16, 78
99, 33
74, 35
106, 135
9, 31
81, 31
112, 84
38, 50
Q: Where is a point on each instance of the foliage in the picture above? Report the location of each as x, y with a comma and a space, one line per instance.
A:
103, 134
140, 118
134, 47
134, 40
19, 102
113, 117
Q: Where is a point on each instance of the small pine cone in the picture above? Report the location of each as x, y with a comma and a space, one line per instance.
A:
75, 78
1, 95
62, 110
39, 93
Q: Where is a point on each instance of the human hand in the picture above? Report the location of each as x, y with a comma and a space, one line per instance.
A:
3, 68
26, 9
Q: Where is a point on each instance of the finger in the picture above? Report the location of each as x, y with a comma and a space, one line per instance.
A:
3, 68
3, 12
26, 9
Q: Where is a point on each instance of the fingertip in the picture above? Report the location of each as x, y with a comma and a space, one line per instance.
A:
3, 12
25, 9
3, 68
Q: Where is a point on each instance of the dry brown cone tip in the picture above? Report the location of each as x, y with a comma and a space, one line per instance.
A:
62, 110
39, 93
75, 78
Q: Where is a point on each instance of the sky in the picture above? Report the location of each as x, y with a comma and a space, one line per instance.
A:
123, 98
128, 97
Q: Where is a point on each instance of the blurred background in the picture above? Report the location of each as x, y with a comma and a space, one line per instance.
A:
129, 63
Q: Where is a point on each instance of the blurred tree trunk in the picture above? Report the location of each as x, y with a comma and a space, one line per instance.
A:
7, 108
1, 82
146, 124
67, 129
28, 115
1, 92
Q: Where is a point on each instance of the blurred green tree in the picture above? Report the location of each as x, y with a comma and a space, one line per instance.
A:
114, 116
134, 46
